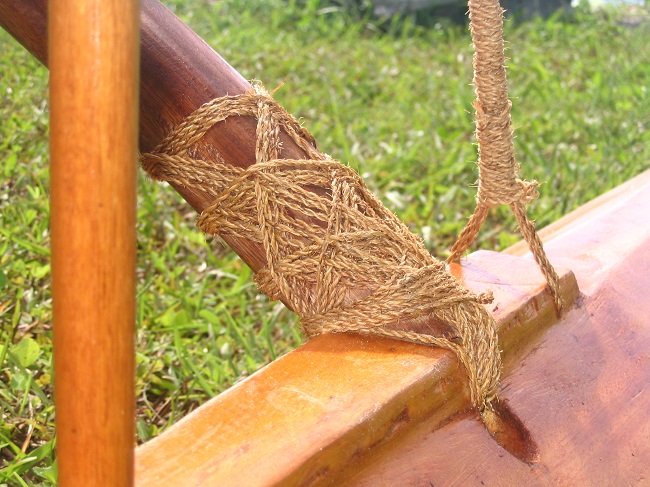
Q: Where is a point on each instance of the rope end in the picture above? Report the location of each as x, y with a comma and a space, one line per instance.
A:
529, 191
509, 431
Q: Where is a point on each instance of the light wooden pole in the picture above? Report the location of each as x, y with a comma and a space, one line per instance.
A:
94, 71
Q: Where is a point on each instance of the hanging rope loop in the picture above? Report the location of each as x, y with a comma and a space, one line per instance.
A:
499, 182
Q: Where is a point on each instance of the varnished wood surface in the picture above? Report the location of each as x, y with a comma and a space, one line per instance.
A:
93, 142
333, 401
618, 196
611, 239
584, 392
26, 21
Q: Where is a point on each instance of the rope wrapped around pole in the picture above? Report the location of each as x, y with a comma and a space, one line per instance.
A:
324, 233
323, 230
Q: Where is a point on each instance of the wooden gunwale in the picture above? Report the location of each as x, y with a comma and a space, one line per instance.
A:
302, 419
346, 410
584, 392
435, 388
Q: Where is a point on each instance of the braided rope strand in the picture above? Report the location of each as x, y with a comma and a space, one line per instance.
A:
499, 183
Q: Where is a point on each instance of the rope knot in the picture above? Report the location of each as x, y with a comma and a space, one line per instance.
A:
528, 192
499, 183
495, 191
334, 254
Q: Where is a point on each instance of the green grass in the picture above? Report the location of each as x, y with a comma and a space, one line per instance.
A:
393, 101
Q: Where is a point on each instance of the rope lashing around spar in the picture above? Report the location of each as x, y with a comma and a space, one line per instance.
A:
324, 233
498, 170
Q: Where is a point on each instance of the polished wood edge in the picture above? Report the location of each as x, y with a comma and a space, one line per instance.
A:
582, 392
590, 210
341, 396
94, 80
351, 381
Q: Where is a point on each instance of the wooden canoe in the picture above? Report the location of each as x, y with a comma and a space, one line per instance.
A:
350, 410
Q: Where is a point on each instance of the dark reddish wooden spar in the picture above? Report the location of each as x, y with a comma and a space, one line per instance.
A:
179, 73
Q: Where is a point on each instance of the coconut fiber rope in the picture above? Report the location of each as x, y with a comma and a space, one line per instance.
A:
324, 233
498, 170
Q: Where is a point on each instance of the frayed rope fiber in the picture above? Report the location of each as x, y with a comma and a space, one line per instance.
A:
498, 170
324, 233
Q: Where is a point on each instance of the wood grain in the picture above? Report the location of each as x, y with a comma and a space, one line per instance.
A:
26, 21
584, 392
333, 401
93, 142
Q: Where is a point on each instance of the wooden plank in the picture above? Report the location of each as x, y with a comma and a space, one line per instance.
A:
93, 141
301, 420
584, 392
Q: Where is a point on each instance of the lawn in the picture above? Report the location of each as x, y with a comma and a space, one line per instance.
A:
392, 99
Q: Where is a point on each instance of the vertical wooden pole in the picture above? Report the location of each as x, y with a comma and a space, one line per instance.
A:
94, 65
